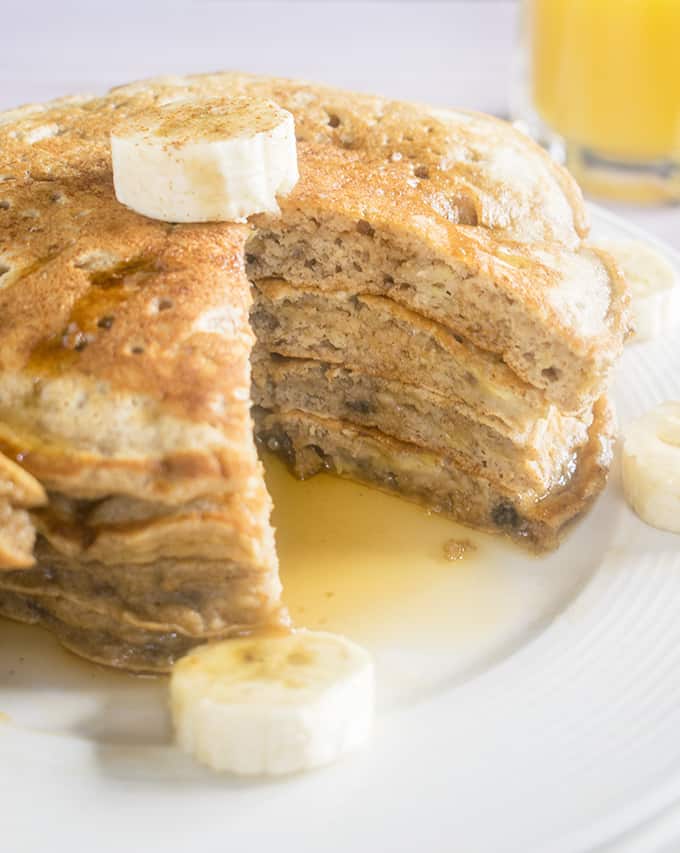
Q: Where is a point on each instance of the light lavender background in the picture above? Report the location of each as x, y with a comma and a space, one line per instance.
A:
457, 53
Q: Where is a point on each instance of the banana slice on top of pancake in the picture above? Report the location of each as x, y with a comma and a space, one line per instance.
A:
201, 160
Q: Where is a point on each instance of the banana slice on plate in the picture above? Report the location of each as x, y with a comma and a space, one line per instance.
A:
655, 290
219, 159
651, 466
273, 704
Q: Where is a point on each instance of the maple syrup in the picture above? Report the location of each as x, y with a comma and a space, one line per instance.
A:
361, 562
92, 314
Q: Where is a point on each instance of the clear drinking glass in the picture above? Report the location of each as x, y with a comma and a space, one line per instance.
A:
600, 86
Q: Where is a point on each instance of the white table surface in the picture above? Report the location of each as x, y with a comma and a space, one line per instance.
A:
448, 53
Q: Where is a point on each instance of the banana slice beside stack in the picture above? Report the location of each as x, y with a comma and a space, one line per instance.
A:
654, 285
651, 466
219, 159
273, 704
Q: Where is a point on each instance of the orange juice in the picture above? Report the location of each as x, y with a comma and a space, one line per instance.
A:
605, 75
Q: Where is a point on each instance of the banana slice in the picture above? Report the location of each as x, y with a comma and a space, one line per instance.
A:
17, 538
18, 489
651, 467
219, 159
655, 290
275, 704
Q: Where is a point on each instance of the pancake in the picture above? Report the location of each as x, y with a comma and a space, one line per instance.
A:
313, 444
436, 256
415, 415
375, 334
556, 316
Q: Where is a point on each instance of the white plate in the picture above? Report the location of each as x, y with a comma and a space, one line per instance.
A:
525, 705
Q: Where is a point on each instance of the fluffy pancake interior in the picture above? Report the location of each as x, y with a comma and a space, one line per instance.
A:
484, 300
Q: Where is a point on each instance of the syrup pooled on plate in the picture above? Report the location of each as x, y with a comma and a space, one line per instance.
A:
364, 563
379, 569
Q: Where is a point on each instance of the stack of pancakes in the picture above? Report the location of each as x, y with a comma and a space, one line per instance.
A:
125, 392
424, 317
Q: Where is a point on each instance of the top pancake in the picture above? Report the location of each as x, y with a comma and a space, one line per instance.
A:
473, 162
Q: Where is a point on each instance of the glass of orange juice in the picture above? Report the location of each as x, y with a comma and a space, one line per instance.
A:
602, 87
